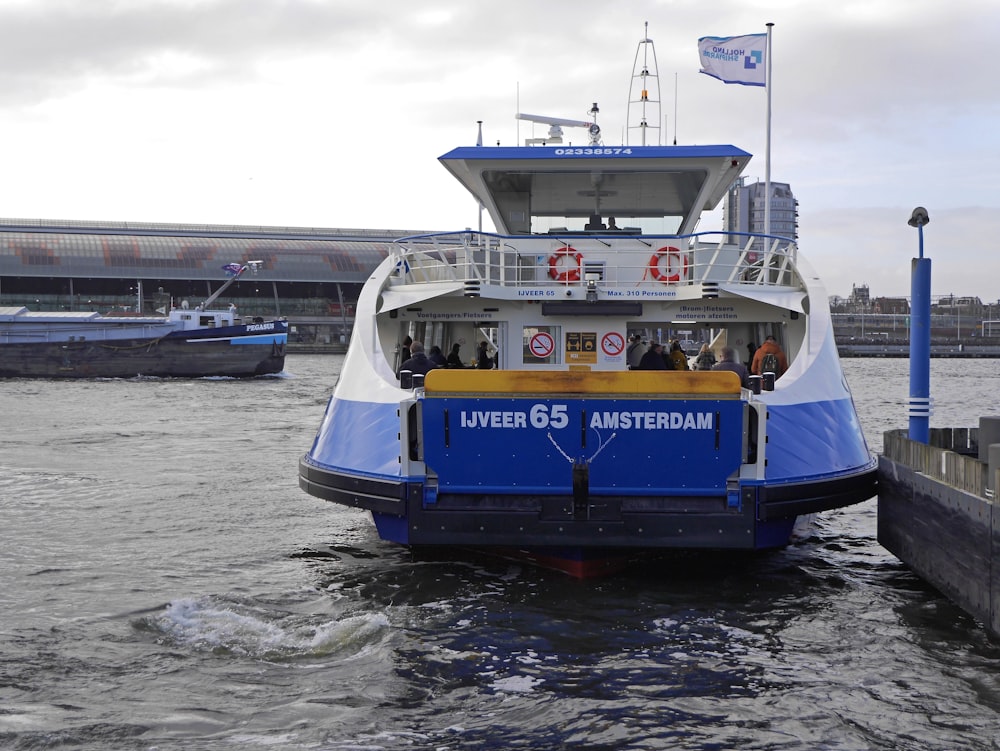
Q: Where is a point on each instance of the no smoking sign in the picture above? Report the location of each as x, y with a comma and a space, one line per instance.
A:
542, 344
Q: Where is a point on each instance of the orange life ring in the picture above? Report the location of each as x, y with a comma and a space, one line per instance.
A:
561, 274
665, 276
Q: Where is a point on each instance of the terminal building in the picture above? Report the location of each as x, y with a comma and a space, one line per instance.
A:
312, 277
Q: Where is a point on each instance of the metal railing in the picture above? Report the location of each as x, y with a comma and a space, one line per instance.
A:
614, 260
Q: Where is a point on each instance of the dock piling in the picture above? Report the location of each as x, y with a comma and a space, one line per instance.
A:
920, 335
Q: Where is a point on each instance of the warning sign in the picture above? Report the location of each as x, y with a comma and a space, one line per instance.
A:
613, 344
581, 347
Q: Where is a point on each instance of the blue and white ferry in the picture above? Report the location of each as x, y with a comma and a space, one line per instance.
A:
561, 452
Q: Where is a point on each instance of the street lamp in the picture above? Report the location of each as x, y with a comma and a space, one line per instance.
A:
920, 336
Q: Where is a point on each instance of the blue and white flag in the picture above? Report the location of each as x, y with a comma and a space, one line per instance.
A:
735, 59
232, 269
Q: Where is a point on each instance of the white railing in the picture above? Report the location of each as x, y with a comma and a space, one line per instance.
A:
613, 260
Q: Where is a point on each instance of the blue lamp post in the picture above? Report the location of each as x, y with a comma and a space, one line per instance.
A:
920, 336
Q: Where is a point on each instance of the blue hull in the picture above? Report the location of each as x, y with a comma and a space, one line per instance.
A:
603, 475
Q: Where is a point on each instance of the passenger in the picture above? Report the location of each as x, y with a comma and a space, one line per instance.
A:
779, 362
612, 224
677, 355
437, 357
705, 359
633, 355
483, 359
404, 353
418, 362
668, 361
454, 359
653, 359
728, 362
751, 351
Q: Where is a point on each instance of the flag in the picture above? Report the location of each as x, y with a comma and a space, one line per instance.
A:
735, 59
232, 269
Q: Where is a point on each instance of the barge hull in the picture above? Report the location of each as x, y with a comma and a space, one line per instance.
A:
169, 357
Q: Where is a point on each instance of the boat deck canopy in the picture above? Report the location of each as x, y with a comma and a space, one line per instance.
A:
650, 189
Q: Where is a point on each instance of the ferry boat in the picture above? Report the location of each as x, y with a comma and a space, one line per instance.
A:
559, 452
189, 343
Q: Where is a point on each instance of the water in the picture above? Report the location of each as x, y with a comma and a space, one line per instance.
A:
164, 584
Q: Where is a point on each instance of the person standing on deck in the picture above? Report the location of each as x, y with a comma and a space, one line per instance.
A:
678, 356
769, 356
454, 358
437, 357
705, 359
483, 359
633, 355
728, 362
418, 361
653, 359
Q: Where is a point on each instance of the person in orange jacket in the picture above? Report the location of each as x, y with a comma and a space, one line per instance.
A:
769, 347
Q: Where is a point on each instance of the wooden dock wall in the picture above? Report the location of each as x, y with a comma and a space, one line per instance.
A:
934, 514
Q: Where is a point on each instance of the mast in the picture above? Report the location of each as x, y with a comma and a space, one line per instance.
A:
252, 265
644, 95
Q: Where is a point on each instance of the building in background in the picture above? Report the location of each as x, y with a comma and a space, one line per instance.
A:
870, 325
310, 276
743, 209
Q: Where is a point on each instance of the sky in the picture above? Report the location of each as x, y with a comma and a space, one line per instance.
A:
332, 113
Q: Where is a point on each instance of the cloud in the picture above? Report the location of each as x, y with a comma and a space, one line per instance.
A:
50, 48
318, 113
875, 245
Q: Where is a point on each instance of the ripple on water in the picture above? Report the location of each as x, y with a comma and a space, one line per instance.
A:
166, 584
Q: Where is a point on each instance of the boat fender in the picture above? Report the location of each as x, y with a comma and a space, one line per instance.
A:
565, 273
677, 263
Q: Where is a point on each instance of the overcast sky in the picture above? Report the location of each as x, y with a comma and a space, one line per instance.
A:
332, 113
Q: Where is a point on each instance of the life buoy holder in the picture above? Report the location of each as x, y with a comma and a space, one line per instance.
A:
563, 272
673, 273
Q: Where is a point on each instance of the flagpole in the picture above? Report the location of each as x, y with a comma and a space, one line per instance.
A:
479, 142
767, 151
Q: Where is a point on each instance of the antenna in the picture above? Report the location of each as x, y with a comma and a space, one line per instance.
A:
644, 78
556, 124
675, 108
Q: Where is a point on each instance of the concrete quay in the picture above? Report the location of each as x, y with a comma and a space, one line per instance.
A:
937, 513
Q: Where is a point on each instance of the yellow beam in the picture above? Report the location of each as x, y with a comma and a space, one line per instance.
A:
502, 382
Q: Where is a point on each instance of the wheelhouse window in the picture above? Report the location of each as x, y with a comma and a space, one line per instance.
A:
584, 201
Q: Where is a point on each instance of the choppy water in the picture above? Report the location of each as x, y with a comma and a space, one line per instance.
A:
165, 584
